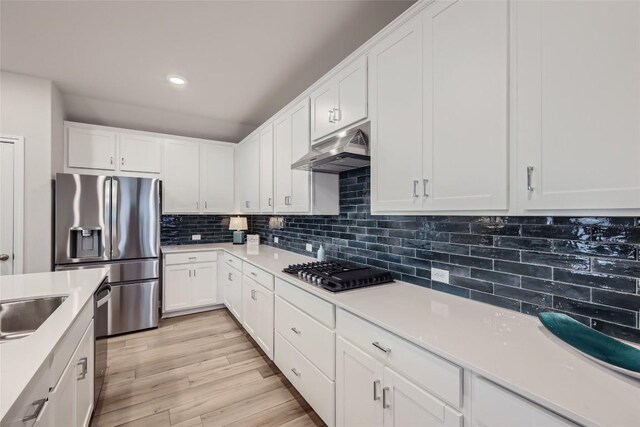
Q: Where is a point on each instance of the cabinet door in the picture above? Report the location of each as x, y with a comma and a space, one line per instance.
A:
235, 287
181, 186
216, 169
265, 325
226, 281
323, 110
358, 387
351, 93
250, 306
465, 91
395, 92
84, 364
578, 104
139, 153
300, 199
266, 169
205, 284
282, 139
177, 287
250, 175
62, 401
406, 404
91, 148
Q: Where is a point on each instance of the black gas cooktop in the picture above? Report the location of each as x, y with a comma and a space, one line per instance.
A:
339, 276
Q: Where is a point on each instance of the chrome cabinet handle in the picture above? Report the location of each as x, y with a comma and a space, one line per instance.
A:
230, 277
194, 272
4, 257
424, 187
269, 201
205, 204
111, 160
337, 115
415, 188
247, 204
83, 363
189, 273
253, 295
295, 372
39, 404
197, 205
529, 174
296, 330
331, 113
385, 403
122, 161
379, 346
376, 396
253, 273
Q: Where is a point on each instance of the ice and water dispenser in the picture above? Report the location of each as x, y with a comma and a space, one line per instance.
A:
85, 242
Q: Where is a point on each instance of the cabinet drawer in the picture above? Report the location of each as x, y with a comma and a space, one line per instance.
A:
31, 402
190, 257
322, 311
316, 342
233, 261
317, 389
435, 374
491, 405
259, 275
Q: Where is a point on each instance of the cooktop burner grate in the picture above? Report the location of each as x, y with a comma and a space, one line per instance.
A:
337, 276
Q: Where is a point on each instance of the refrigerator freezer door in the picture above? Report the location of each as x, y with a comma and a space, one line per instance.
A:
82, 218
135, 218
131, 307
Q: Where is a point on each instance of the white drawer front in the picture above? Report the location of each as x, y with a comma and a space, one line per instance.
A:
432, 372
491, 405
316, 342
259, 275
317, 389
190, 257
322, 311
232, 260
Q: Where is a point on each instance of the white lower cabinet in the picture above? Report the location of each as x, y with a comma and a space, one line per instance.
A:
231, 282
190, 281
257, 309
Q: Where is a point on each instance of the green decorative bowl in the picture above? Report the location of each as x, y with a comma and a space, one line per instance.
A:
601, 348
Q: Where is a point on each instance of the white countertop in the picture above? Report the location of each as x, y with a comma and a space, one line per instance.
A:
21, 359
509, 348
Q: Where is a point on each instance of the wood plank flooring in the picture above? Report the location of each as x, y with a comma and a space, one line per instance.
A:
200, 370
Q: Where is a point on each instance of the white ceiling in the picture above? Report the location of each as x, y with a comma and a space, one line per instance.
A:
244, 60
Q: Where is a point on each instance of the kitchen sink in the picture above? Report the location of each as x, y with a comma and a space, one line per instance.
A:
21, 318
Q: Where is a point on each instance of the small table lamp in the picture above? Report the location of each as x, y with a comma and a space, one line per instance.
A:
238, 224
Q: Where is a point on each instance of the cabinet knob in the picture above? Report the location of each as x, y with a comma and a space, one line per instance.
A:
4, 257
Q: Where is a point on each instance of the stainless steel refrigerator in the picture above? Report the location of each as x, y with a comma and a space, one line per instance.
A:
112, 221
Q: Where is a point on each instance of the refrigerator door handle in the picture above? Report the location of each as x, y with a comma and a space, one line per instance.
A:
115, 219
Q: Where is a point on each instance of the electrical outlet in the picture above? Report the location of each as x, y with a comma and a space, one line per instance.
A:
440, 275
275, 240
309, 247
196, 237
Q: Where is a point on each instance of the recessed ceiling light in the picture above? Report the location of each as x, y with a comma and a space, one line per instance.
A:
176, 80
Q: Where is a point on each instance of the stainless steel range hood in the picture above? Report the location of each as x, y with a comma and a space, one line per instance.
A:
345, 151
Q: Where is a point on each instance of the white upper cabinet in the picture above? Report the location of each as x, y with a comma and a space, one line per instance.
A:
395, 93
91, 148
341, 101
181, 186
266, 169
465, 106
216, 178
578, 105
300, 195
248, 174
140, 153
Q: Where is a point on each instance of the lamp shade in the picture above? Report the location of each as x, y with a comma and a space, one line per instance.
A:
237, 223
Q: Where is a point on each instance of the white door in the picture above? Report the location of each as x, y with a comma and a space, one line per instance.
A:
323, 110
177, 287
300, 199
266, 169
406, 404
205, 284
358, 387
181, 186
84, 360
140, 153
265, 325
395, 90
282, 142
466, 66
351, 93
62, 399
6, 208
91, 148
578, 104
250, 307
216, 187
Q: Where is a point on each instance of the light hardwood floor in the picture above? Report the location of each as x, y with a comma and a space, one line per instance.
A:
196, 370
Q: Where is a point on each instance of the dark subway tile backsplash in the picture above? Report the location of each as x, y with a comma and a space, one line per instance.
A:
587, 267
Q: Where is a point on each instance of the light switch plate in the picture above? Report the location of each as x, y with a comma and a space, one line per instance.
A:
275, 240
309, 247
196, 237
440, 275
